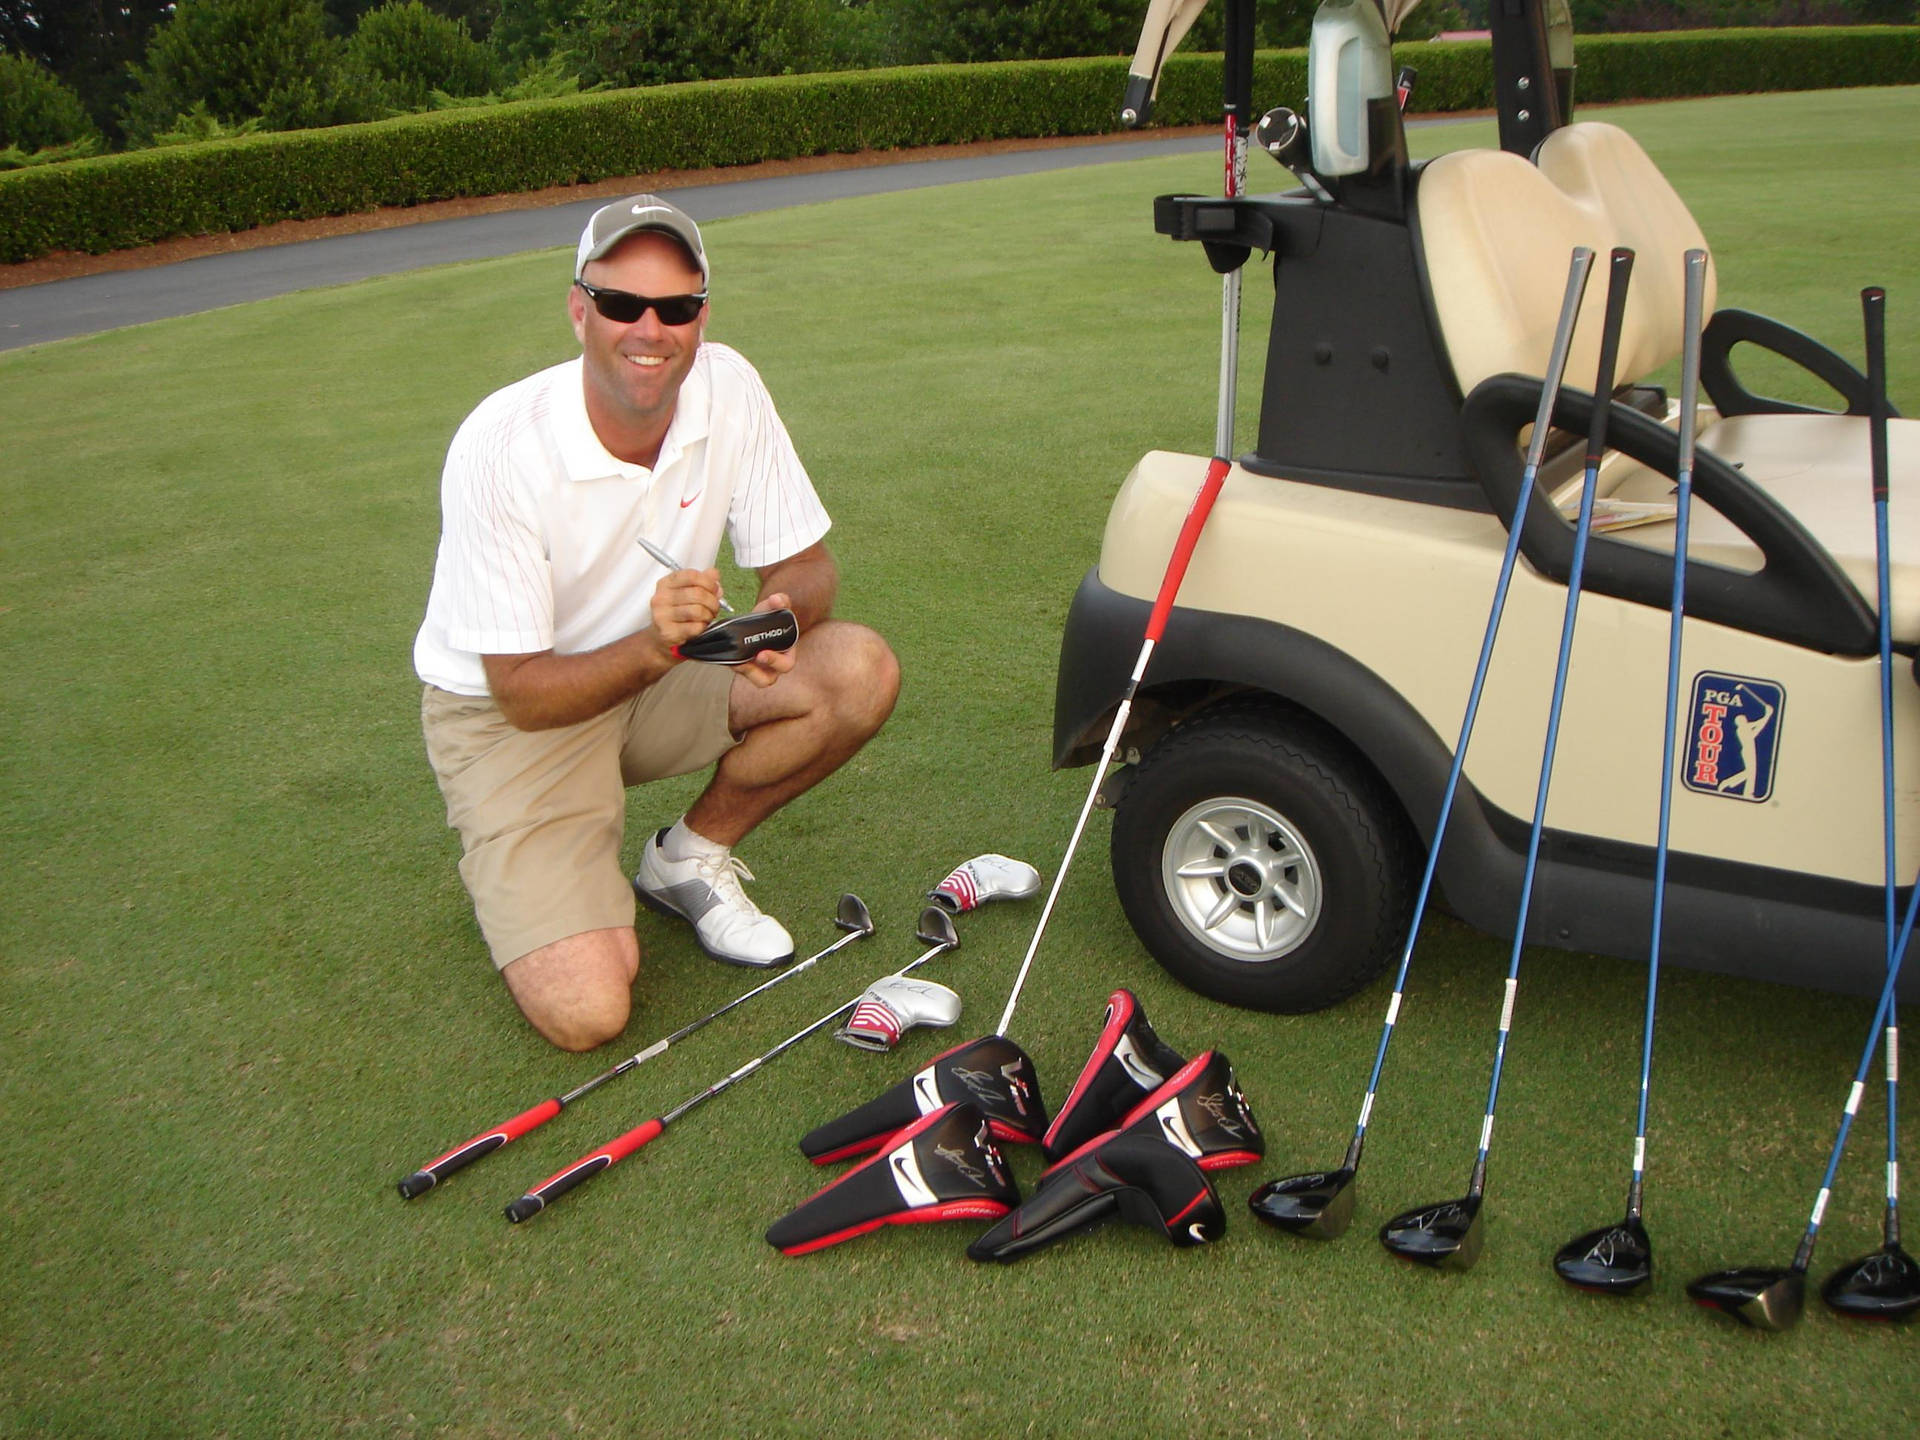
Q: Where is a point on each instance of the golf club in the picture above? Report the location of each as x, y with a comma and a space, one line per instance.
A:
1618, 1259
1320, 1204
851, 916
935, 927
1450, 1234
1886, 1284
1238, 86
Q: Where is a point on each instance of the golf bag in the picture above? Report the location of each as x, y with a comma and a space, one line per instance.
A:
1128, 1062
992, 1072
945, 1166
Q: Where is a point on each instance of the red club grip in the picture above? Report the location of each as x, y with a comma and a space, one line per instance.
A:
485, 1143
583, 1170
1183, 546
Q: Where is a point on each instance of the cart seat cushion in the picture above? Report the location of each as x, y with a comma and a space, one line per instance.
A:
1817, 467
1497, 231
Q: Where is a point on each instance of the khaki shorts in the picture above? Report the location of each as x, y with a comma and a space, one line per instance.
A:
541, 814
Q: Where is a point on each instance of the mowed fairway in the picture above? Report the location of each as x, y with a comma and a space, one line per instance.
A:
241, 991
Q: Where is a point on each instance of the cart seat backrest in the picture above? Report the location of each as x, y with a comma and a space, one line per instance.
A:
1497, 232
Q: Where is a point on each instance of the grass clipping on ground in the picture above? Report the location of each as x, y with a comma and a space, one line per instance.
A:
242, 991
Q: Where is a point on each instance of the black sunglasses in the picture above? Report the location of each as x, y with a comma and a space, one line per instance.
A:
623, 307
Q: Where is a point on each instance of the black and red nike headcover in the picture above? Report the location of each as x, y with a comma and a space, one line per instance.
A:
1128, 1061
944, 1166
991, 1072
1136, 1177
1201, 1113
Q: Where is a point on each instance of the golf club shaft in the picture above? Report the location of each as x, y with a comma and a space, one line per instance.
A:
591, 1164
1694, 306
1238, 84
1873, 305
1620, 270
490, 1140
1578, 269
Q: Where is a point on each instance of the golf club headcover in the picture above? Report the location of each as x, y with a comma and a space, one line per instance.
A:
894, 1005
1128, 1062
984, 878
992, 1072
944, 1166
1201, 1113
738, 638
1136, 1177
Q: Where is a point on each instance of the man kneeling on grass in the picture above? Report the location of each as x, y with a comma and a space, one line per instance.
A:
547, 647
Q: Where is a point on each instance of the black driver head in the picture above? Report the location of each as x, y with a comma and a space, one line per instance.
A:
1882, 1286
1766, 1299
852, 915
1613, 1260
738, 638
1446, 1236
1318, 1205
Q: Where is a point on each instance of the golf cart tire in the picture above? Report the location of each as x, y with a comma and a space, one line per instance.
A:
1309, 819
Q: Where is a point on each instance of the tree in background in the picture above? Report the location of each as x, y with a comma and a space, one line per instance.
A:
270, 60
656, 42
409, 52
87, 44
39, 114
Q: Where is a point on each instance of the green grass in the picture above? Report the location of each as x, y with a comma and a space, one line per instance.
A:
241, 990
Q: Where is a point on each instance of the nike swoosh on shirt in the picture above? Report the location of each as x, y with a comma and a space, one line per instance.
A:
689, 501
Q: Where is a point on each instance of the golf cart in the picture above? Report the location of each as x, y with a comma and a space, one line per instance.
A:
1283, 758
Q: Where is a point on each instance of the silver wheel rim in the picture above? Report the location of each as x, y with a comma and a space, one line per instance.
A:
1241, 879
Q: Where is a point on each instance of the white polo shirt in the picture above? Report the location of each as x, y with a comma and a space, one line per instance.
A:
539, 524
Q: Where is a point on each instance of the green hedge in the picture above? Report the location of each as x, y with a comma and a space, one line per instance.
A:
118, 201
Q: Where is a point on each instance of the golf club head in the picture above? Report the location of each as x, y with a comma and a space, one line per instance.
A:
1882, 1286
1613, 1260
1317, 1205
1446, 1236
852, 915
1766, 1299
944, 1166
935, 926
1139, 1178
1202, 1114
1128, 1062
738, 638
992, 1072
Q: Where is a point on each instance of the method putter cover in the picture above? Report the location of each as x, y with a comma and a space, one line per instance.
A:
944, 1166
1140, 1179
992, 1072
984, 878
1201, 1113
738, 638
1128, 1063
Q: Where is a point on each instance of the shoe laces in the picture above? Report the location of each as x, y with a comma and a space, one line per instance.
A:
724, 872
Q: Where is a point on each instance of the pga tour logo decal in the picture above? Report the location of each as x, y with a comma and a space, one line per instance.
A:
1733, 736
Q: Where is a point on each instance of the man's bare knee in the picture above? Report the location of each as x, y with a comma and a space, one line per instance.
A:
577, 992
862, 679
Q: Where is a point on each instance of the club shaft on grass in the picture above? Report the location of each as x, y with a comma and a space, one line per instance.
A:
1694, 306
1578, 269
1620, 270
643, 1134
1238, 84
490, 1140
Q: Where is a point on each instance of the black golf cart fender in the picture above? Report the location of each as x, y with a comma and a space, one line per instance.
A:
1589, 894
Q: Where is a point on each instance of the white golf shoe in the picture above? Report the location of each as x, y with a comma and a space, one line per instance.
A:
705, 891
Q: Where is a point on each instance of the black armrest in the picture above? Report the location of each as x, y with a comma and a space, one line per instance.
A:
1729, 328
1799, 595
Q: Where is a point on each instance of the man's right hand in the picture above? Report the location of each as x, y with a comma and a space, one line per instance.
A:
685, 602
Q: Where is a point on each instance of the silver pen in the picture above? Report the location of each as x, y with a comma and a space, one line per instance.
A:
672, 564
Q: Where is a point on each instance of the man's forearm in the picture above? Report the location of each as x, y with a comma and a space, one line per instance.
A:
809, 580
545, 691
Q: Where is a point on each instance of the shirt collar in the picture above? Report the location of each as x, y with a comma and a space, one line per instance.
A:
581, 452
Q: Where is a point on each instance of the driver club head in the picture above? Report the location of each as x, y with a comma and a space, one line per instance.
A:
1318, 1205
1446, 1236
1882, 1286
936, 928
852, 915
1764, 1298
1613, 1260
